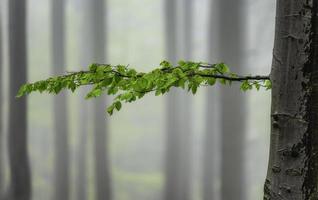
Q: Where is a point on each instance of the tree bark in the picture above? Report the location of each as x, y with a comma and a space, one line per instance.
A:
102, 162
61, 184
231, 43
20, 185
293, 163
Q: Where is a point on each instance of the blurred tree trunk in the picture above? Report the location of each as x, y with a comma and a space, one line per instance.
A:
20, 180
81, 180
293, 163
178, 139
1, 106
102, 165
171, 190
61, 184
93, 50
231, 42
211, 144
85, 59
184, 110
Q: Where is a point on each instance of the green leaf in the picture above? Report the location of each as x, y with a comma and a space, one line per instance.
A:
118, 105
22, 91
93, 67
222, 81
110, 109
194, 89
211, 81
223, 68
268, 84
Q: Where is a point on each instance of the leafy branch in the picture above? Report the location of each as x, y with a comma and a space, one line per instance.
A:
129, 85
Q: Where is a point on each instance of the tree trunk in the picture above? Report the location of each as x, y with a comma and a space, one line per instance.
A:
1, 107
211, 145
61, 184
231, 41
102, 165
81, 178
293, 163
20, 185
184, 107
172, 176
85, 59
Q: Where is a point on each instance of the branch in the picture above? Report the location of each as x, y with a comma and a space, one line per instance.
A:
130, 85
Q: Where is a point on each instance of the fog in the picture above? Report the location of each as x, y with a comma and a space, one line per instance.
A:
212, 145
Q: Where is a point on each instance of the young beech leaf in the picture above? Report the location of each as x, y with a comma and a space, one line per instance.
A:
211, 81
268, 84
118, 105
110, 109
93, 67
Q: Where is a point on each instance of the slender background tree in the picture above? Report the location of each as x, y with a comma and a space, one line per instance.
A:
60, 103
184, 103
102, 170
211, 145
20, 179
1, 107
231, 42
171, 188
86, 51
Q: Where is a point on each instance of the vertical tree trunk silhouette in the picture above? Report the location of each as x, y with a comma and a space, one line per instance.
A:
293, 163
171, 190
81, 180
184, 110
85, 59
102, 165
20, 183
61, 184
231, 40
1, 108
211, 145
178, 139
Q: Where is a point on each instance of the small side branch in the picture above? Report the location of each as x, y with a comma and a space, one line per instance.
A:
129, 85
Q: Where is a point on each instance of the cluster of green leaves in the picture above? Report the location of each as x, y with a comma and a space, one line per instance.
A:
129, 85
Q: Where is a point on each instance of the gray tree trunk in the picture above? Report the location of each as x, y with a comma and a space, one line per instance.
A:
179, 137
1, 107
85, 59
184, 108
20, 181
102, 165
172, 177
211, 145
293, 163
231, 43
61, 184
81, 178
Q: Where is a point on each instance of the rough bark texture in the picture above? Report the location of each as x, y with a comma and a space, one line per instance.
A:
61, 184
231, 43
20, 183
102, 165
293, 164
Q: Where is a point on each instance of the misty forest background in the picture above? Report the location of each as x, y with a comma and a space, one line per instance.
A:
176, 147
